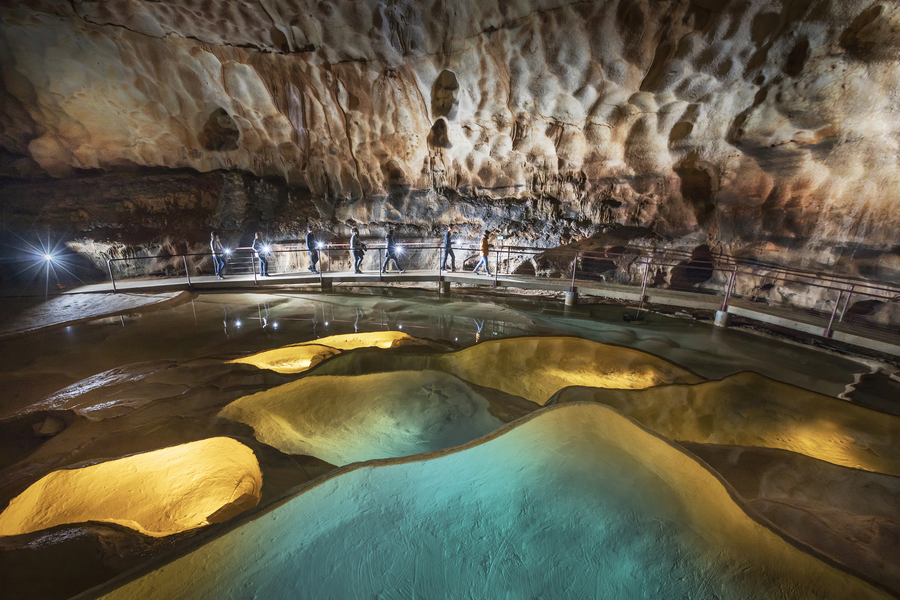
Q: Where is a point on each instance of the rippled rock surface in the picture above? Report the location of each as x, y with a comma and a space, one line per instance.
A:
763, 129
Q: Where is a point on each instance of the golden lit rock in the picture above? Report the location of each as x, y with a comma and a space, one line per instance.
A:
157, 493
749, 409
291, 359
533, 368
575, 499
297, 358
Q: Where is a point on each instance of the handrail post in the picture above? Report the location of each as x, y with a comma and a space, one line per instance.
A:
728, 288
646, 260
380, 267
253, 266
846, 303
496, 266
574, 268
111, 276
186, 272
837, 302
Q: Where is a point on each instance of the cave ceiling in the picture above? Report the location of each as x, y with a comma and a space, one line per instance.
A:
742, 123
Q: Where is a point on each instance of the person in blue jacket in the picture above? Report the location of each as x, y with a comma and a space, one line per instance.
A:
218, 254
448, 250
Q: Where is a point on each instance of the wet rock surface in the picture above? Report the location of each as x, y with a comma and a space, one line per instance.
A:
162, 379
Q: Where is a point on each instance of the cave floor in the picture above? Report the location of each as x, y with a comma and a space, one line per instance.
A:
157, 375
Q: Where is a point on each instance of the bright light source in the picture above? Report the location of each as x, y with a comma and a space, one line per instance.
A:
399, 326
326, 323
266, 249
320, 245
399, 249
227, 250
274, 325
48, 257
237, 323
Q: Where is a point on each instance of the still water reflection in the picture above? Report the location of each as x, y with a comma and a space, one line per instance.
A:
227, 325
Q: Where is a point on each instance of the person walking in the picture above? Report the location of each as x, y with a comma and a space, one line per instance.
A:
261, 250
218, 253
358, 250
312, 249
391, 252
485, 250
448, 250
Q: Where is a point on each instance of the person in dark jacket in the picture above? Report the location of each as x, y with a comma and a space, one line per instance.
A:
312, 249
358, 249
261, 250
218, 253
485, 250
391, 252
448, 250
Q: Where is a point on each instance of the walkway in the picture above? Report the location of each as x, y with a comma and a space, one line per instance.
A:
793, 319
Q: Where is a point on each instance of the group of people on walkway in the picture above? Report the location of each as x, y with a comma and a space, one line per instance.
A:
219, 253
357, 251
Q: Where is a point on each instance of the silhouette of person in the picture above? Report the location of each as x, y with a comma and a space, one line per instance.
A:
448, 250
312, 249
358, 249
391, 252
218, 252
261, 250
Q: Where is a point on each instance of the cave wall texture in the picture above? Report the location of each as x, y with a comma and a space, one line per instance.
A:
762, 128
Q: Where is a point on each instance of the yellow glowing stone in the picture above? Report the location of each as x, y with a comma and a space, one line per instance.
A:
290, 359
377, 339
157, 493
298, 358
535, 368
748, 409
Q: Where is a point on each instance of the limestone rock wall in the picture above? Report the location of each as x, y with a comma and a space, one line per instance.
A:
759, 127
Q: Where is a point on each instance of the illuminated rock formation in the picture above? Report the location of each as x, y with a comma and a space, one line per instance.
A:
157, 493
533, 368
751, 410
758, 128
297, 358
346, 419
574, 500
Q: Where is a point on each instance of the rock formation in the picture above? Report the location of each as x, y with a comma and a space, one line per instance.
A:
759, 129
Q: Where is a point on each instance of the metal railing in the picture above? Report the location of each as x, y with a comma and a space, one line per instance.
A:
732, 280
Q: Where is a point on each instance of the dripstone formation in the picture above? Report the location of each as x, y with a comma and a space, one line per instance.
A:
754, 128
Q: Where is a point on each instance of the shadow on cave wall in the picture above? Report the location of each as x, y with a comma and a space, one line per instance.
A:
694, 271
